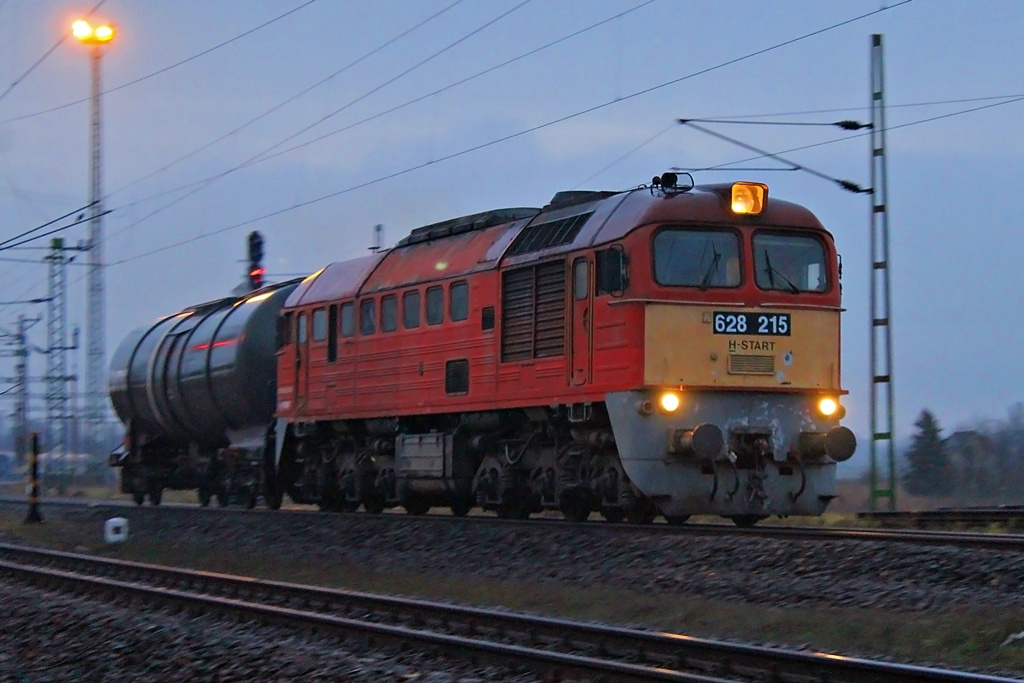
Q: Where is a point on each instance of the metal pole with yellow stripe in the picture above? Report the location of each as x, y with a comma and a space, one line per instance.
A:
33, 498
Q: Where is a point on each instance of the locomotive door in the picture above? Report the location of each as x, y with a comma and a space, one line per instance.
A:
301, 362
581, 366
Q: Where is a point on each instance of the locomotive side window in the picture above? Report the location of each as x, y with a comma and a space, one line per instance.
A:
790, 263
487, 318
411, 310
458, 303
611, 271
435, 306
367, 316
456, 376
332, 333
348, 320
580, 279
696, 258
300, 326
389, 313
319, 325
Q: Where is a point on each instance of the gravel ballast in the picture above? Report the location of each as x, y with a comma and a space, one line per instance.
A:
736, 567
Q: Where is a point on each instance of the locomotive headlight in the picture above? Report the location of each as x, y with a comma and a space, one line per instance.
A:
749, 198
669, 402
828, 406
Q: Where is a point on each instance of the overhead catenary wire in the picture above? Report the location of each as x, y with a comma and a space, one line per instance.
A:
290, 99
1019, 98
158, 71
79, 221
198, 186
5, 244
506, 138
848, 185
266, 157
839, 110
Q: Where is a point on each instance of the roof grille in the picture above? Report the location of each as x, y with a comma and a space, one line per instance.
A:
549, 234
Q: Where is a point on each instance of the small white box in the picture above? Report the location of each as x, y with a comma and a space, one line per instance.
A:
115, 530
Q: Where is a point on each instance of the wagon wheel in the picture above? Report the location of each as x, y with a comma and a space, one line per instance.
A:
746, 521
204, 496
676, 520
139, 497
641, 512
156, 494
613, 514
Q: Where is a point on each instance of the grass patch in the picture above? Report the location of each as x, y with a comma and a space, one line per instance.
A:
963, 637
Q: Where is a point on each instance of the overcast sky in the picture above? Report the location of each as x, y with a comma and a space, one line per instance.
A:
178, 157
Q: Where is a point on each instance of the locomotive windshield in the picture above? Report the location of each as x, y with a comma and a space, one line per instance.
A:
790, 263
697, 258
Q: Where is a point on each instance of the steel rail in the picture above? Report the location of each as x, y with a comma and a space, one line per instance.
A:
663, 650
1005, 542
974, 516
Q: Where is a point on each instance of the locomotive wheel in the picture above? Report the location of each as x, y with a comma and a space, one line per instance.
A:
223, 498
374, 506
574, 506
204, 496
461, 508
139, 497
156, 494
416, 506
613, 514
746, 521
251, 499
274, 497
513, 508
676, 520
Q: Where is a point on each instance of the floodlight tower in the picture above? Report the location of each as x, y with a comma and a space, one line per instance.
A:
96, 37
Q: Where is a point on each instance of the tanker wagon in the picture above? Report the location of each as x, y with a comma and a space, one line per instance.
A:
196, 394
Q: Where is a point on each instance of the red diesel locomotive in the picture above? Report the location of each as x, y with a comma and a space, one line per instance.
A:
666, 350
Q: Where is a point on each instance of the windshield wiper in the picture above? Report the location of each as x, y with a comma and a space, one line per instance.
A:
772, 272
712, 269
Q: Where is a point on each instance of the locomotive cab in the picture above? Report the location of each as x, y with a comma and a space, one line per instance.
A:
739, 402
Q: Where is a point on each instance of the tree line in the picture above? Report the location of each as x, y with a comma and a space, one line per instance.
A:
981, 465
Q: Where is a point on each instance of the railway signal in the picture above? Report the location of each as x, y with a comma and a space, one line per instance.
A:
256, 269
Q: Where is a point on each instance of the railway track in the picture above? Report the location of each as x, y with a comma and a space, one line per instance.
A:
965, 539
1011, 516
554, 648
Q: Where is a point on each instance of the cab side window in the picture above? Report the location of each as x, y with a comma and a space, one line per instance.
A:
300, 328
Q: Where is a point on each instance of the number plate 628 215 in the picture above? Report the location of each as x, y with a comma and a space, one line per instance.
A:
772, 324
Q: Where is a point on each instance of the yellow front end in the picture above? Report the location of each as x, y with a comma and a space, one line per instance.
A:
730, 347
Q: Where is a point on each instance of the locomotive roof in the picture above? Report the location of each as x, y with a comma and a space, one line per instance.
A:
573, 220
338, 280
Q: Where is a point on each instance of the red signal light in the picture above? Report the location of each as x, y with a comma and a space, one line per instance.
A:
256, 277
